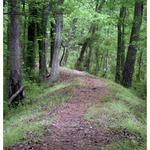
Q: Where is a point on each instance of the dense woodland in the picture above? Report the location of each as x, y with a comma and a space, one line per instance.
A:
105, 38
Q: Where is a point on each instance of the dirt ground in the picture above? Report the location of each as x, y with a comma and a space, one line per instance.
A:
70, 131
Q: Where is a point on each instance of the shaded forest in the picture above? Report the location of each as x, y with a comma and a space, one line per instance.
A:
106, 39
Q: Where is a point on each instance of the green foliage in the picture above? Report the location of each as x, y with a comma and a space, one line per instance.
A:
121, 108
140, 89
126, 145
73, 57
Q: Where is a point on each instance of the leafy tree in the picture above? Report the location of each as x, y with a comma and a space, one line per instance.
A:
121, 44
55, 72
132, 49
15, 84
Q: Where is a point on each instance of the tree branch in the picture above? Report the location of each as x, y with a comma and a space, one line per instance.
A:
15, 95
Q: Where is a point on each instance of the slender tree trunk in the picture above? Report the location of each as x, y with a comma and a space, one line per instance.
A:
132, 49
24, 32
139, 61
86, 42
30, 54
88, 62
98, 61
78, 64
121, 45
55, 71
105, 66
101, 61
69, 43
42, 44
14, 48
118, 65
52, 42
63, 54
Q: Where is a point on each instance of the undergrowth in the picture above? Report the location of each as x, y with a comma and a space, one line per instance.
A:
28, 117
120, 109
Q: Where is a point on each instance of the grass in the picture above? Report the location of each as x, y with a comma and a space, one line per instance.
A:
120, 110
125, 145
30, 119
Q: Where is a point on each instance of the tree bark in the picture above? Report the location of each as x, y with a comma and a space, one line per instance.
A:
121, 45
15, 95
88, 61
63, 54
132, 49
105, 65
139, 61
30, 54
98, 60
15, 49
24, 33
52, 42
55, 71
78, 64
43, 44
69, 43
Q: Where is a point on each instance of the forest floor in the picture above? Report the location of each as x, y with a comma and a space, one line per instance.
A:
82, 123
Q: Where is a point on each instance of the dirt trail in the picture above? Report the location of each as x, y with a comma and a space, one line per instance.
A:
70, 131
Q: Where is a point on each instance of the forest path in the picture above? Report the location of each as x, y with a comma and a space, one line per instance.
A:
70, 130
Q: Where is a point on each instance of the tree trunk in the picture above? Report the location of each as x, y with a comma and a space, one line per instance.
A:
55, 71
132, 49
63, 54
78, 64
24, 33
52, 42
88, 62
87, 40
139, 61
97, 61
14, 48
30, 54
91, 40
69, 43
105, 65
121, 45
42, 44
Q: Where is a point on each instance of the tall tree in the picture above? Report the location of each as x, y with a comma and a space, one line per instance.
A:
90, 49
132, 49
55, 71
15, 84
139, 65
32, 26
121, 44
52, 36
69, 42
43, 42
87, 41
24, 41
